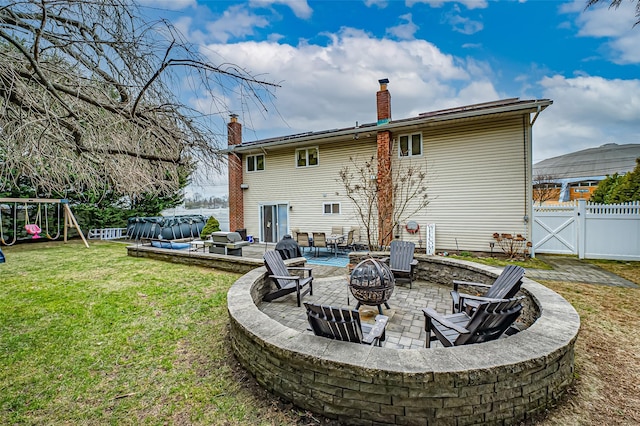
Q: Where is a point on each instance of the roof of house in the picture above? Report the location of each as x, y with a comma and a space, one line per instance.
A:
592, 162
504, 106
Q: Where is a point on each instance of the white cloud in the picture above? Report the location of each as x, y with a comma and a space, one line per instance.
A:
404, 31
587, 112
616, 25
168, 4
325, 87
470, 4
236, 22
463, 25
300, 8
381, 4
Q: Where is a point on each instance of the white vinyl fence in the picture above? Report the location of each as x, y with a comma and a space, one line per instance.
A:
591, 231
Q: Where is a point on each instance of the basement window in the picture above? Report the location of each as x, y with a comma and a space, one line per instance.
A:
410, 145
255, 162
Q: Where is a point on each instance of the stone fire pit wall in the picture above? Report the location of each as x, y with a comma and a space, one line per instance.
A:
503, 381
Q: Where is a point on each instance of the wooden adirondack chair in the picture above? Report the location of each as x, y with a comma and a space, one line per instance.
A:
344, 324
488, 322
401, 261
505, 286
285, 282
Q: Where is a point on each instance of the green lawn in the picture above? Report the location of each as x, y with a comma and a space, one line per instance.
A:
94, 336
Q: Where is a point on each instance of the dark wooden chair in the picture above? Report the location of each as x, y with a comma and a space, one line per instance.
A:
505, 286
489, 321
344, 324
401, 261
285, 282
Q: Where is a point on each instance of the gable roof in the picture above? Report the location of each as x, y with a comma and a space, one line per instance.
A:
500, 107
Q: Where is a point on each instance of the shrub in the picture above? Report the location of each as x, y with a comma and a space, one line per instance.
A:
212, 226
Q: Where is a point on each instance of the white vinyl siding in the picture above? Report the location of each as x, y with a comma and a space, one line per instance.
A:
306, 189
477, 183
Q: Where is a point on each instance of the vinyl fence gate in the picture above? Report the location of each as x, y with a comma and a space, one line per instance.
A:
591, 231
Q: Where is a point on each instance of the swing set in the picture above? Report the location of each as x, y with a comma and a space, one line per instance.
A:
34, 228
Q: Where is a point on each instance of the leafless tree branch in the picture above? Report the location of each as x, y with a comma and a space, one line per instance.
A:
87, 98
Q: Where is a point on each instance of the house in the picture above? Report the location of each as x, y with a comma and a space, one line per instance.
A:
576, 175
477, 159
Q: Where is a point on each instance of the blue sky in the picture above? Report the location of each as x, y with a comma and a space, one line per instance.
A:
327, 57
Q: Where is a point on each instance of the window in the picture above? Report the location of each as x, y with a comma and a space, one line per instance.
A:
255, 162
410, 145
307, 157
331, 208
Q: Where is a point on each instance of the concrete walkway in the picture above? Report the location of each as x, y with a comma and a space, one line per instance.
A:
575, 270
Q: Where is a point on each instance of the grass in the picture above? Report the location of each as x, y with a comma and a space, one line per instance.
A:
95, 336
499, 260
92, 336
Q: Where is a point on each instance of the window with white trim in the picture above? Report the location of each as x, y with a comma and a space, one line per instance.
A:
306, 157
255, 162
331, 208
410, 145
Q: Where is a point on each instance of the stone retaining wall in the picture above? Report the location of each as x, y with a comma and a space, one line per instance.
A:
238, 264
499, 382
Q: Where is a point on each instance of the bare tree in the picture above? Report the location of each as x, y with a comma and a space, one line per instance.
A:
87, 98
545, 188
616, 4
409, 196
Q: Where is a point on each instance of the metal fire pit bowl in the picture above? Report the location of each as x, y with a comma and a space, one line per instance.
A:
371, 282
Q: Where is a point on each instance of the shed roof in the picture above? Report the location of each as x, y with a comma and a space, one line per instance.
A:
592, 162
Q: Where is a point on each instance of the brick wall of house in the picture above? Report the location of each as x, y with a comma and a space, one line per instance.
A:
236, 197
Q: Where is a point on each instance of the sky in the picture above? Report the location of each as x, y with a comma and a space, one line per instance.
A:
327, 57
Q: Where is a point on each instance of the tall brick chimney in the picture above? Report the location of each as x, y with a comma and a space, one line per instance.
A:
383, 98
236, 196
384, 179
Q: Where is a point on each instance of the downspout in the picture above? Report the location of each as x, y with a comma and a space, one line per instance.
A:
528, 178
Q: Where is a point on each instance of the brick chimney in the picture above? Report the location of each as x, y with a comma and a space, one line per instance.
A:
384, 178
383, 98
236, 196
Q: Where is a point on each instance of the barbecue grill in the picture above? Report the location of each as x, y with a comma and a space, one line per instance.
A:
229, 243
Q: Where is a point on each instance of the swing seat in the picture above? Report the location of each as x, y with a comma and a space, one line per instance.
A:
33, 230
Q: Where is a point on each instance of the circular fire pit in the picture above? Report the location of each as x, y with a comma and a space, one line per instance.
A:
371, 282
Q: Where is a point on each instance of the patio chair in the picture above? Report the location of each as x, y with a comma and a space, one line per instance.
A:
319, 241
286, 283
344, 324
303, 240
346, 245
358, 244
336, 230
489, 321
401, 261
505, 286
